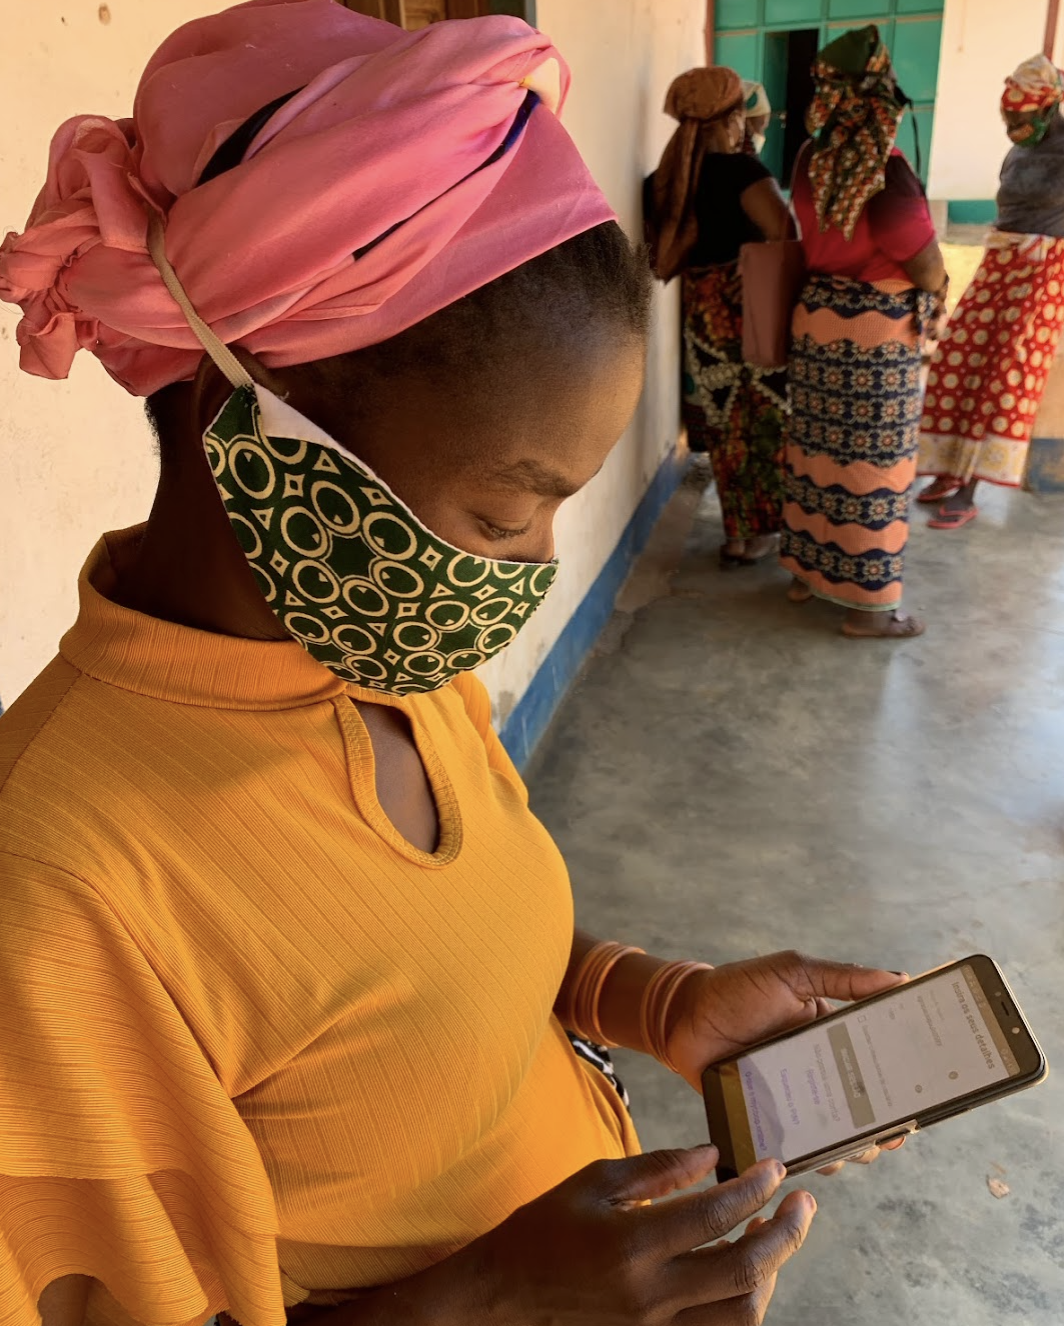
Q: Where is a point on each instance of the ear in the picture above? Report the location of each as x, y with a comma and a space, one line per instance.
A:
211, 388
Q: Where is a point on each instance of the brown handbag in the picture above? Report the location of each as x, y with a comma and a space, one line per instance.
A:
773, 273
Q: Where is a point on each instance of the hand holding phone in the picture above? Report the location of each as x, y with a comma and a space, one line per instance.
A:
877, 1070
718, 1012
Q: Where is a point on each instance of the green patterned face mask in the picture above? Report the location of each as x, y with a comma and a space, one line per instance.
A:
350, 572
1035, 129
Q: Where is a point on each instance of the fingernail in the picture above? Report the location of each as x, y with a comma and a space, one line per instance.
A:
779, 1169
702, 1146
900, 973
810, 1202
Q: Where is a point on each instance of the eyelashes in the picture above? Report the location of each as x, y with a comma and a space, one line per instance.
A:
498, 534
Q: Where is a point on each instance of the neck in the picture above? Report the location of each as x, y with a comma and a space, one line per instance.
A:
189, 567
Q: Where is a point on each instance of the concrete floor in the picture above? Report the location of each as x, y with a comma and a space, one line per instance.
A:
731, 777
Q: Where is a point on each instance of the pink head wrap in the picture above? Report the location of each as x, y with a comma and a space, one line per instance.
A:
415, 144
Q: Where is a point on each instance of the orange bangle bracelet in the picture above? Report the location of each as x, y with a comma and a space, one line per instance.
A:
660, 991
588, 985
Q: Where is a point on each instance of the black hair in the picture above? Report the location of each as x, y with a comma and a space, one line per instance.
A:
593, 281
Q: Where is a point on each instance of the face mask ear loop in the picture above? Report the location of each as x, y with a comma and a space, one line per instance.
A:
226, 361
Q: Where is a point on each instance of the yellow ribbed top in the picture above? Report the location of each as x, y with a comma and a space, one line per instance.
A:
256, 1048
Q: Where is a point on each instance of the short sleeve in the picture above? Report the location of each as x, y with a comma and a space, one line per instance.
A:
121, 1155
899, 216
748, 170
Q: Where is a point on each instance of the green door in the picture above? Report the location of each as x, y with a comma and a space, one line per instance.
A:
759, 39
774, 77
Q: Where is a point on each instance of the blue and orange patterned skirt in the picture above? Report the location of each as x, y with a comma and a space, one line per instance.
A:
852, 438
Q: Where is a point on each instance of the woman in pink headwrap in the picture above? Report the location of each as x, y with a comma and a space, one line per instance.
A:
287, 966
990, 370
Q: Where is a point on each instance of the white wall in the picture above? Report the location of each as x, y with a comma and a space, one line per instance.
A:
982, 42
76, 457
624, 54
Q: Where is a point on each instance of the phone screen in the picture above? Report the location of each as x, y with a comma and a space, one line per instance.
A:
880, 1063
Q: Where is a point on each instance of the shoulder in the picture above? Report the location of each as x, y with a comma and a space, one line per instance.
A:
73, 764
470, 693
750, 170
736, 168
901, 179
800, 170
29, 723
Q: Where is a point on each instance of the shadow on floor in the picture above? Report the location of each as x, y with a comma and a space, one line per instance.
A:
730, 776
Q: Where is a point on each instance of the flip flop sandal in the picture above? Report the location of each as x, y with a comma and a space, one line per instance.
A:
953, 519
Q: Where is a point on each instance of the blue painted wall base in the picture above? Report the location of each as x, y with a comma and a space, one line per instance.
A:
1045, 466
972, 211
533, 712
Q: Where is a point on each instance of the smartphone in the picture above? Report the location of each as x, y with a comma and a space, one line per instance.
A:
873, 1071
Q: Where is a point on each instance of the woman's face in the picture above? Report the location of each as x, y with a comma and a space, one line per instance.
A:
726, 134
1024, 126
488, 475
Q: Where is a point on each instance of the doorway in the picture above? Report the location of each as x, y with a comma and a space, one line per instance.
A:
788, 79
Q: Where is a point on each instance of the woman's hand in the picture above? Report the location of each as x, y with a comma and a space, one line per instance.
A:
720, 1012
590, 1253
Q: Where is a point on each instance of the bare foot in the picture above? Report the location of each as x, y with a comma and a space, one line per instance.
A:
762, 546
962, 500
936, 491
882, 625
799, 591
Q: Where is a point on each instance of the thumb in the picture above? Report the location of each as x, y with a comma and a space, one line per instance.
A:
655, 1174
818, 978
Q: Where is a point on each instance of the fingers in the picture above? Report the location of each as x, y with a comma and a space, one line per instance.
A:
689, 1222
750, 1311
749, 1266
649, 1176
865, 1158
817, 978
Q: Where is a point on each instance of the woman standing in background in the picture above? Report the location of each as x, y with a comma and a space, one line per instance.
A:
990, 371
757, 110
706, 199
876, 280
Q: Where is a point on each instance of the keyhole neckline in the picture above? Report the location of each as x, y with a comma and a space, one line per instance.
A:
362, 773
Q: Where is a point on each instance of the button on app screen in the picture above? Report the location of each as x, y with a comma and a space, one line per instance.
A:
926, 1045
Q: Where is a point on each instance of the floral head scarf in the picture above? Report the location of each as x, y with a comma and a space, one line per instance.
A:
853, 121
1036, 89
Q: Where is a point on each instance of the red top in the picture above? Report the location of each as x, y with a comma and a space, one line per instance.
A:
893, 228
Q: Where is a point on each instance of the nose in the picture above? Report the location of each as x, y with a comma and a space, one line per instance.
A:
538, 547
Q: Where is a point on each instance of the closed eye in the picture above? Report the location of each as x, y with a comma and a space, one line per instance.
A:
499, 533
